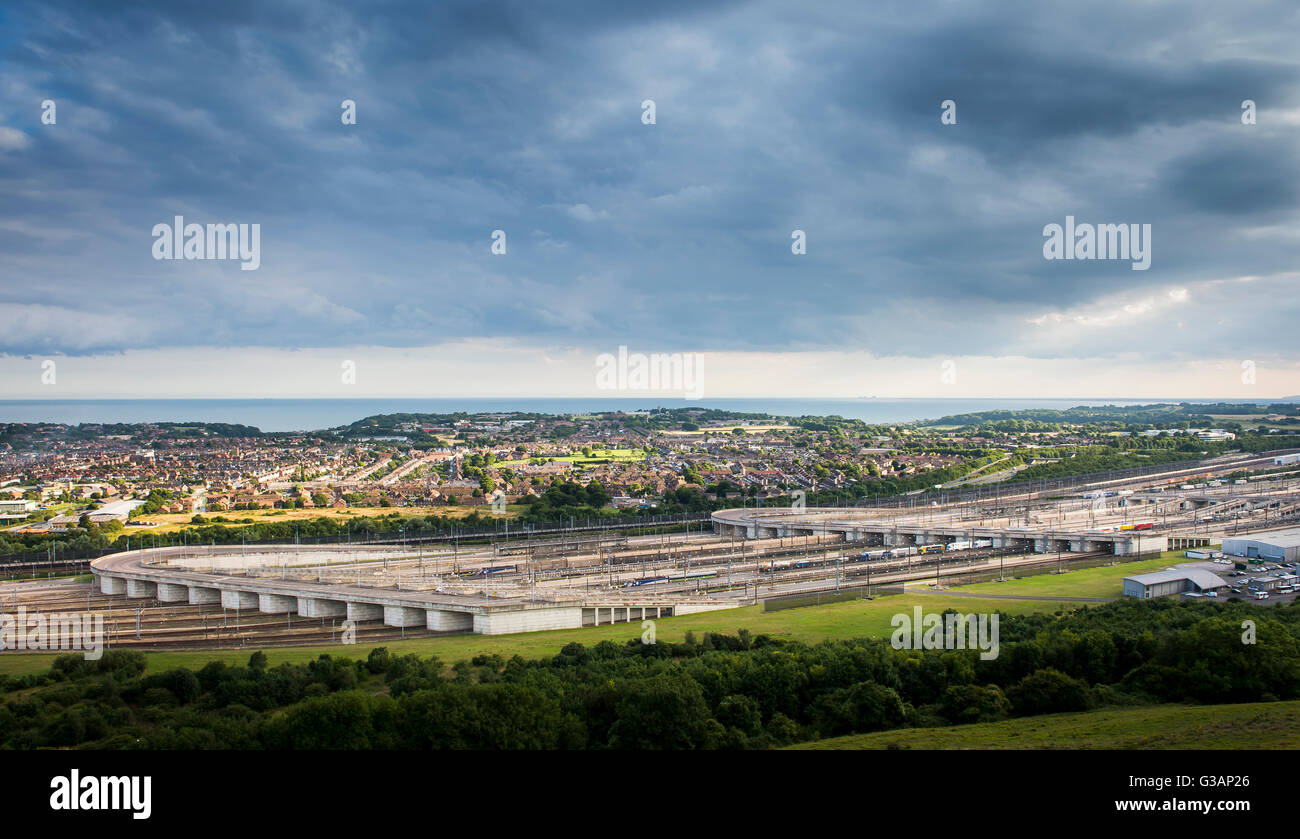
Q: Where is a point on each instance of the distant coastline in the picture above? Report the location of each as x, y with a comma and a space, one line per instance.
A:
315, 414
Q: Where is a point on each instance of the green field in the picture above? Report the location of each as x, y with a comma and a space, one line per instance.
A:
1103, 581
854, 619
172, 522
579, 459
1257, 725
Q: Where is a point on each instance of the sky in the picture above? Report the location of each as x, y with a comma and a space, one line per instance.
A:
923, 272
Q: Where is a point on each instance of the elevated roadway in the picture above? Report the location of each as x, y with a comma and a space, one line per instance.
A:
168, 575
924, 528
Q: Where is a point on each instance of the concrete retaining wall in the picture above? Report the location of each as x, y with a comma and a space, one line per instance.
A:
365, 612
403, 616
315, 607
173, 593
528, 620
692, 608
201, 596
111, 585
238, 599
141, 588
444, 621
276, 604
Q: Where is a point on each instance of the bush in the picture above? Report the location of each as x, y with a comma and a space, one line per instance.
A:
1049, 691
181, 684
378, 660
865, 706
121, 664
971, 703
663, 712
741, 713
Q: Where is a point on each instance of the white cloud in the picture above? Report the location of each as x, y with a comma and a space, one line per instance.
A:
11, 139
514, 369
582, 212
69, 330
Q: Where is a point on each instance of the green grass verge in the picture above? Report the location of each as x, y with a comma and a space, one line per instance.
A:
1103, 581
1256, 725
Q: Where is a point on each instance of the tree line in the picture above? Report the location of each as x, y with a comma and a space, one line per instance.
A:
712, 692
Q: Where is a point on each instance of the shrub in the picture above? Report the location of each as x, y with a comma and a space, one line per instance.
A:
1049, 691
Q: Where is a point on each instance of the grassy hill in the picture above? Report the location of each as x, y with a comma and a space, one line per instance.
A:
1258, 725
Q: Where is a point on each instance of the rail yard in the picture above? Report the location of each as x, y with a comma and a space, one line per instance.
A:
232, 596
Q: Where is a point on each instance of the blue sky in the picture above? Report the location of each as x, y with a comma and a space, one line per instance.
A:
924, 240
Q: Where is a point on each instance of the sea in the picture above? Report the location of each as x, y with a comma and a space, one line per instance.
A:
319, 414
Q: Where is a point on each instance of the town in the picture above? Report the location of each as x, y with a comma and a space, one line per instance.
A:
95, 486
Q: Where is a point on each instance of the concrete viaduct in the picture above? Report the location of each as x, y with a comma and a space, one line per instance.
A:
145, 574
855, 525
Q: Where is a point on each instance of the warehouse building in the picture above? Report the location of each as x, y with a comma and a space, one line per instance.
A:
17, 509
1265, 583
1167, 583
1276, 545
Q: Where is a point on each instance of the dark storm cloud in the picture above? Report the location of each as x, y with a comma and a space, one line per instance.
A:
526, 117
1245, 179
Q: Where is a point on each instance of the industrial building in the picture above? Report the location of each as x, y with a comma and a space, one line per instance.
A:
1166, 583
16, 510
1265, 583
1277, 545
